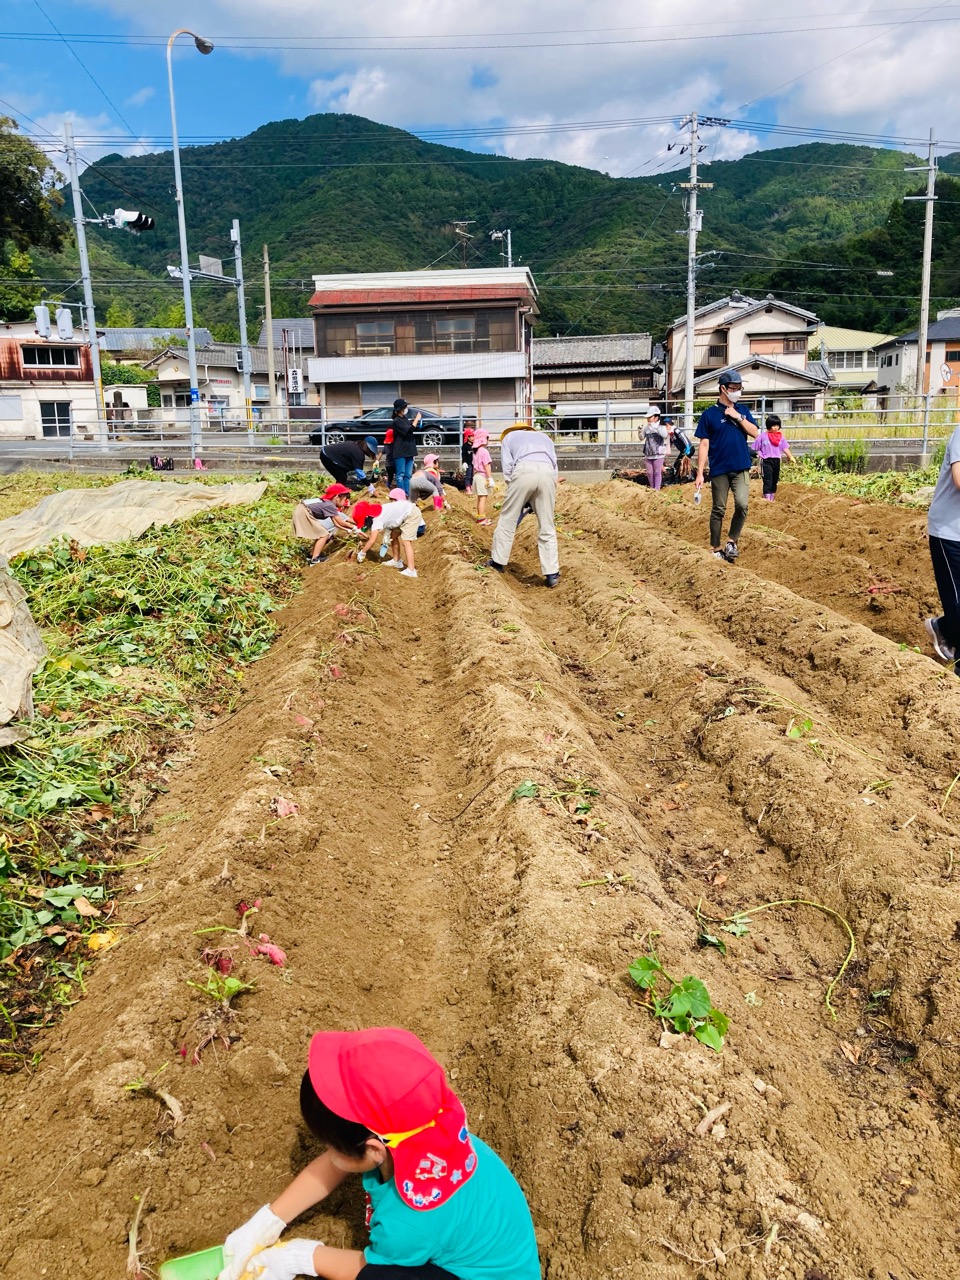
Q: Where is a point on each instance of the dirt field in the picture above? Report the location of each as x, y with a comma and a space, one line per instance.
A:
410, 889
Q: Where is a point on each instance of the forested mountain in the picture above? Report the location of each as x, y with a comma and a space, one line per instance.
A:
339, 193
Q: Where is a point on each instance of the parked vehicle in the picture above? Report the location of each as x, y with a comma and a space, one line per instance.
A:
434, 431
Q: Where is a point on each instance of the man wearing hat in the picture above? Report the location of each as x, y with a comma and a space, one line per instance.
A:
346, 461
441, 1205
528, 461
723, 431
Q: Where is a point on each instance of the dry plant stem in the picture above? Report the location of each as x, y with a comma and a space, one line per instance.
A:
801, 902
616, 634
949, 792
134, 1269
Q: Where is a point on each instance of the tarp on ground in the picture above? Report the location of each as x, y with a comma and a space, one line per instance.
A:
21, 649
116, 513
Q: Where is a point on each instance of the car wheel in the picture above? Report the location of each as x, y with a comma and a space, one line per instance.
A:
432, 439
335, 437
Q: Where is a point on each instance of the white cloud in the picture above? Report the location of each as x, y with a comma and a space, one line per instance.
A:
141, 97
544, 64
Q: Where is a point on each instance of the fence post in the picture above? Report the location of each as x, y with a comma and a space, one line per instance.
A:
924, 451
606, 432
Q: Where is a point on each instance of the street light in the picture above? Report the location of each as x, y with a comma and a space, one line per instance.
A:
204, 46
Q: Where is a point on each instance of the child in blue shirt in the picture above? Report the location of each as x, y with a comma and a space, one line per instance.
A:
440, 1204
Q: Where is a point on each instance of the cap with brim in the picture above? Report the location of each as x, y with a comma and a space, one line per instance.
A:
387, 1079
730, 378
371, 443
653, 412
336, 491
468, 431
388, 438
480, 438
431, 460
400, 403
364, 510
397, 495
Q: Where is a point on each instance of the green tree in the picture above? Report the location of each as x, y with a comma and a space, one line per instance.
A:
120, 315
16, 299
132, 375
28, 197
227, 331
171, 316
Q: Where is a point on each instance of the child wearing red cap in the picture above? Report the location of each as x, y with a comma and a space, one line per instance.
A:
441, 1205
321, 518
466, 458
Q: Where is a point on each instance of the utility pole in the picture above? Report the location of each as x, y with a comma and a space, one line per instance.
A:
930, 169
90, 315
501, 236
268, 320
694, 226
242, 309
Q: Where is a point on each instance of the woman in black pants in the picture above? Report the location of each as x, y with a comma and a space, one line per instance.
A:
404, 444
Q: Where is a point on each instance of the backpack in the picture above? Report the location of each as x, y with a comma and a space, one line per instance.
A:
652, 442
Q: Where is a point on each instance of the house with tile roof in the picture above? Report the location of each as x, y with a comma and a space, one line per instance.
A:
134, 346
219, 379
589, 381
765, 339
897, 371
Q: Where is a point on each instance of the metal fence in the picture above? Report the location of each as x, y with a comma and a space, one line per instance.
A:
608, 439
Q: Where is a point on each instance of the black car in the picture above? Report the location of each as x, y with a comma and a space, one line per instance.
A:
434, 430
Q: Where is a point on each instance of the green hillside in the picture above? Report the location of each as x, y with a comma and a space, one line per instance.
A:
340, 193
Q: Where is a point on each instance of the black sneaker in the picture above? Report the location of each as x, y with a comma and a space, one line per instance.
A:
730, 551
500, 568
317, 560
721, 555
942, 648
552, 580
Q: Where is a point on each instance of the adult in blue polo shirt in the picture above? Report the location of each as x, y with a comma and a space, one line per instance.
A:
723, 431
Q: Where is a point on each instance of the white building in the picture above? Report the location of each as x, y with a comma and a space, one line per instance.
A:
765, 340
46, 385
897, 372
219, 379
450, 341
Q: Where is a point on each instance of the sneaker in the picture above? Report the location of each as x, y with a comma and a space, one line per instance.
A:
408, 573
730, 551
393, 564
721, 555
943, 650
500, 568
552, 580
316, 560
483, 523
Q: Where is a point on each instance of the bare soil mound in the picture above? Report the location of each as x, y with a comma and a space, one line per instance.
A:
697, 733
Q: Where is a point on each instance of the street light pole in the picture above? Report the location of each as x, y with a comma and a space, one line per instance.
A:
204, 46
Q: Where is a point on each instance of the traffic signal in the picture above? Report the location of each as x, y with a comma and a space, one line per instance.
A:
64, 324
133, 220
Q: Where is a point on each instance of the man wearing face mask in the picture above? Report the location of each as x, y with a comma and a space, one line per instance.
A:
723, 431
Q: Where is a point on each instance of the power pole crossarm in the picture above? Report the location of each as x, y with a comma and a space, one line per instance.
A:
930, 168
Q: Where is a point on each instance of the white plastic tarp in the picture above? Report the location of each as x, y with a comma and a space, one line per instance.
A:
117, 512
21, 649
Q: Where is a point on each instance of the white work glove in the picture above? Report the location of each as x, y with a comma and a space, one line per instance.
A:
285, 1261
263, 1229
361, 556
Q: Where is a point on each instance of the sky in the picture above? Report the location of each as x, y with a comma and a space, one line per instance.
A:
603, 85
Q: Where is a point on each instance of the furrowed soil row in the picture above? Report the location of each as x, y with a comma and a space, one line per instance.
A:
409, 887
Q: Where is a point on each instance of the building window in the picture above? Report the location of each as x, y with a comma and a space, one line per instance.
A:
717, 352
870, 360
777, 345
375, 337
802, 406
55, 417
417, 333
51, 357
794, 346
641, 381
953, 357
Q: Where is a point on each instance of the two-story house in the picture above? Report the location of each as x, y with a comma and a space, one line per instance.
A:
598, 384
898, 357
220, 381
46, 384
852, 355
451, 341
764, 339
